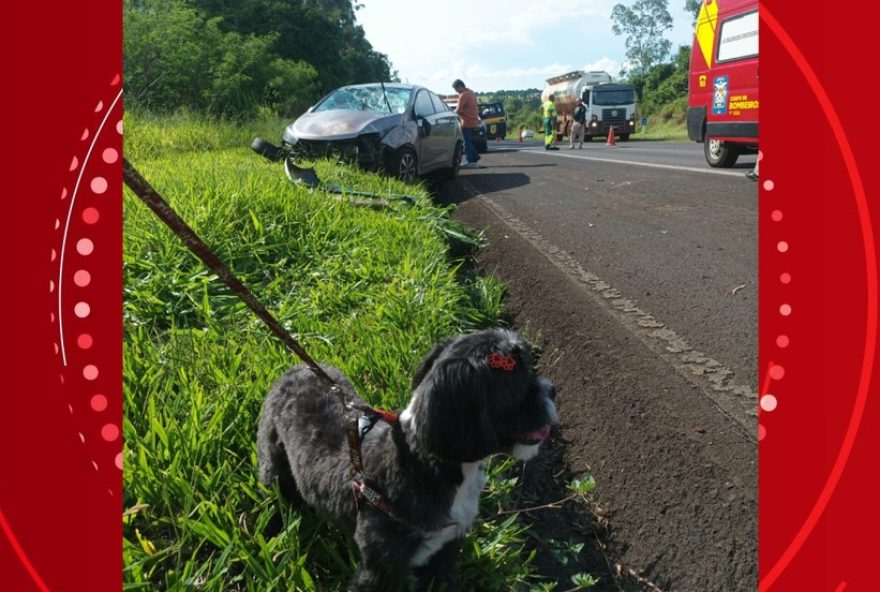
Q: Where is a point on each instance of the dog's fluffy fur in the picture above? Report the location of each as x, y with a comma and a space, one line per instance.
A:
462, 410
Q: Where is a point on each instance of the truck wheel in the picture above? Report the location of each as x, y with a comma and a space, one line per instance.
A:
624, 137
482, 146
404, 164
720, 154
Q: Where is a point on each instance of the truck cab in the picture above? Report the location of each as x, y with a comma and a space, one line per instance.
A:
723, 81
610, 106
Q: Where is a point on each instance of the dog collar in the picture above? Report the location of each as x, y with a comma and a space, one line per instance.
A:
386, 416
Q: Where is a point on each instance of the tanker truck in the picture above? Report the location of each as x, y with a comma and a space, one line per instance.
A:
609, 105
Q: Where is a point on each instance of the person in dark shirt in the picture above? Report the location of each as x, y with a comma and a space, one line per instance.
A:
578, 125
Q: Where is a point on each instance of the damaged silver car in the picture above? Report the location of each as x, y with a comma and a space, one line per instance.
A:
404, 130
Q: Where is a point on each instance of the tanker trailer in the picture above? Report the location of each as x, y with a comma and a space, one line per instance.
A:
609, 105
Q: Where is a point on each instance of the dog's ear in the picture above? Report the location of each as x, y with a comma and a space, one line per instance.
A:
428, 362
453, 418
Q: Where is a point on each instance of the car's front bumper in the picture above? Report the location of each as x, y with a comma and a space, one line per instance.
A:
365, 150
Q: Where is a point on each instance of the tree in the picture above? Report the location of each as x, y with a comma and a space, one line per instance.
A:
323, 33
177, 58
231, 58
664, 89
693, 7
643, 25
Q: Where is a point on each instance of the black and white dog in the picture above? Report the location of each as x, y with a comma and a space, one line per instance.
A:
473, 396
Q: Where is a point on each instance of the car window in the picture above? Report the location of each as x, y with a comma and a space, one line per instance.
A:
739, 38
491, 109
439, 105
367, 98
424, 106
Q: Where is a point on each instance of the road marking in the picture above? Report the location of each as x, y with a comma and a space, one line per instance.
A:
737, 402
672, 167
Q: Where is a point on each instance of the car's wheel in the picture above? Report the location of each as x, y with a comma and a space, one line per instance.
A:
720, 154
452, 171
404, 164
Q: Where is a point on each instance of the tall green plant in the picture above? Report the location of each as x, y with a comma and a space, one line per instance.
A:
230, 59
323, 33
368, 291
643, 25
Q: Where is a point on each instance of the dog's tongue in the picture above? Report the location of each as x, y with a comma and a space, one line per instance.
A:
540, 434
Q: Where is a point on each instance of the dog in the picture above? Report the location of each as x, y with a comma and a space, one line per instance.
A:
474, 395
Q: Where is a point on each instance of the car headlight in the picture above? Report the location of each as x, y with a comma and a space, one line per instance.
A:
288, 136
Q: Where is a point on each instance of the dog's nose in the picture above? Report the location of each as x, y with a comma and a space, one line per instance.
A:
549, 389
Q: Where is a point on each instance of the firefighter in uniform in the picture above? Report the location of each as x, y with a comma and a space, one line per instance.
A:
549, 108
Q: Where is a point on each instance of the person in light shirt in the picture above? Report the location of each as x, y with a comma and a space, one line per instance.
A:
549, 108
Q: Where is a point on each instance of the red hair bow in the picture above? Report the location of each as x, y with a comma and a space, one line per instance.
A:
499, 362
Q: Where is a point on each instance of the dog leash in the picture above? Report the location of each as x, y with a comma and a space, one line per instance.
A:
356, 426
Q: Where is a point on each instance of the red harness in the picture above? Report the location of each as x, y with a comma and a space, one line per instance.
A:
365, 490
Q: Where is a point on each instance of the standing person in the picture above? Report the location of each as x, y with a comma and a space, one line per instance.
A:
752, 175
549, 108
578, 126
467, 115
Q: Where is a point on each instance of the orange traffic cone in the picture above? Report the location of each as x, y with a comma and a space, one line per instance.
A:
610, 141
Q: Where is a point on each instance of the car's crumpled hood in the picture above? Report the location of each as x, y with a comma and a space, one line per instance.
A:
340, 124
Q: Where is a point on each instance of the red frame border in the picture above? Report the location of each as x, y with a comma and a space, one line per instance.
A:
60, 518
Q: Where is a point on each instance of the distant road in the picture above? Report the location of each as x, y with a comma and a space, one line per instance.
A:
687, 155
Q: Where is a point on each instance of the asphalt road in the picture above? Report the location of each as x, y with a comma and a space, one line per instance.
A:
634, 267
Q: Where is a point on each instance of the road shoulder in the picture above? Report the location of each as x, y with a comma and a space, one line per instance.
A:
676, 475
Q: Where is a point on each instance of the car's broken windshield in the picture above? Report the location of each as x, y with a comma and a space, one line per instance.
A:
367, 98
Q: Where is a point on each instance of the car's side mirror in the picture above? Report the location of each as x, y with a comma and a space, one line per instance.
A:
424, 125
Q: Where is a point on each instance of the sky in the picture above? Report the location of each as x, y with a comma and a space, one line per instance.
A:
494, 45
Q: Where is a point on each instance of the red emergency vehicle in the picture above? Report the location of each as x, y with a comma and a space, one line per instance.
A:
723, 84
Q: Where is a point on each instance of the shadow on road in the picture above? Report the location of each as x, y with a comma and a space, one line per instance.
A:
456, 192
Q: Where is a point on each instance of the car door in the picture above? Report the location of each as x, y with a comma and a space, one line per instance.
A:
446, 126
430, 139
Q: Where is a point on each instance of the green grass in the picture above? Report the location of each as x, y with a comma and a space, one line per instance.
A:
666, 130
368, 290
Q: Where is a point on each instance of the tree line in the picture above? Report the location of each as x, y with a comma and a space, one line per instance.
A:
230, 59
660, 77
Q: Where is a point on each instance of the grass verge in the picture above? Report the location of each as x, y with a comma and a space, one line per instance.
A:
368, 290
662, 131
